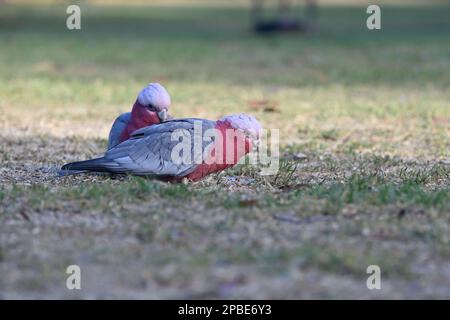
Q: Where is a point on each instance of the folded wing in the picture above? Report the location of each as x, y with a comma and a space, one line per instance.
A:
117, 128
149, 151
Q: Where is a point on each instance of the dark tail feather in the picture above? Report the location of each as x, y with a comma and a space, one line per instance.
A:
96, 165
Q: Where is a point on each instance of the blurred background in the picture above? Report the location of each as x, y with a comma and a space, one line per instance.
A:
212, 61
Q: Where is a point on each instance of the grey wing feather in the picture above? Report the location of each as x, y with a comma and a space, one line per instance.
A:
118, 126
149, 150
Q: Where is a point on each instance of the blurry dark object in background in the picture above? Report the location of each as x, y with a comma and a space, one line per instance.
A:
285, 20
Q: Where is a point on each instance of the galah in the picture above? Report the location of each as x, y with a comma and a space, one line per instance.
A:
151, 107
183, 148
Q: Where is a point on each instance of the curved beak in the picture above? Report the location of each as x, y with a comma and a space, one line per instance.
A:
162, 115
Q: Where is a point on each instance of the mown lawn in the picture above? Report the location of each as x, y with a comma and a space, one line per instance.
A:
364, 119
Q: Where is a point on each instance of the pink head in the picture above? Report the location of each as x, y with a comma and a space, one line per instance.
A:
154, 98
150, 108
245, 123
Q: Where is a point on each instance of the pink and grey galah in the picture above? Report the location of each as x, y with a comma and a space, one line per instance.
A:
182, 148
151, 107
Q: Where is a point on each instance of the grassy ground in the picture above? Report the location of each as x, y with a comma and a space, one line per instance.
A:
369, 111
